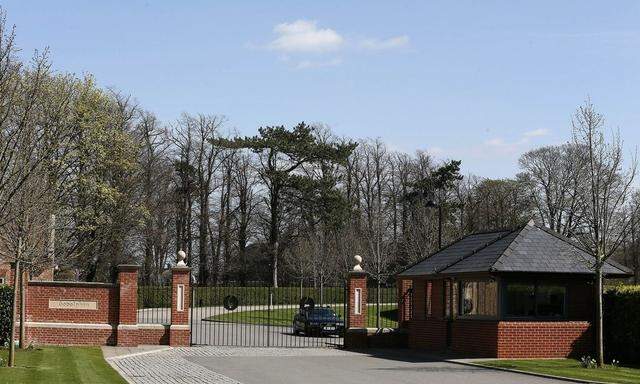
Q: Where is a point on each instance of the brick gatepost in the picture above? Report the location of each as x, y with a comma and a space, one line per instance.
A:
180, 332
127, 334
356, 327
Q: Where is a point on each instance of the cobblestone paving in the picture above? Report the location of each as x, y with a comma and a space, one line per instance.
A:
170, 365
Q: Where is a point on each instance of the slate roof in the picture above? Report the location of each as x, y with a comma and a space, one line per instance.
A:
529, 248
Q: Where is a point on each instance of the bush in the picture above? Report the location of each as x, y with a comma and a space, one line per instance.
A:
160, 296
6, 304
622, 323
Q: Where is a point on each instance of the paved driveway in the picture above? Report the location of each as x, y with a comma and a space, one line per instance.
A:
309, 366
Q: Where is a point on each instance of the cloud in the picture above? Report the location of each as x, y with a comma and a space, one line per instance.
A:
385, 44
305, 36
436, 151
536, 133
318, 63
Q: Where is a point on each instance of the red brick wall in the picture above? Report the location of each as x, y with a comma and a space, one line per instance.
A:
429, 334
71, 336
113, 322
474, 337
153, 334
543, 339
39, 293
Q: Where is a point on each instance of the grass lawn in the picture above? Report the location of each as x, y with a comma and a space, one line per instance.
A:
284, 316
64, 365
570, 368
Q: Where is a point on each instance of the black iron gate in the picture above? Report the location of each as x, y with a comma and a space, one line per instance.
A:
260, 316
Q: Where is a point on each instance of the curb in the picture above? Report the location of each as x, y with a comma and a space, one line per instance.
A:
544, 375
138, 354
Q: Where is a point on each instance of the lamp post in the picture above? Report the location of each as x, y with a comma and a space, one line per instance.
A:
432, 204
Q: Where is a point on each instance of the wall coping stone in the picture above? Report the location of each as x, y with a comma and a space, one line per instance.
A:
128, 267
81, 284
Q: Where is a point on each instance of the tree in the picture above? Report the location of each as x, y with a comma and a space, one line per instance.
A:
157, 194
605, 197
554, 176
281, 154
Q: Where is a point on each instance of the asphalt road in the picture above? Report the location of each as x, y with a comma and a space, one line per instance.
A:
392, 367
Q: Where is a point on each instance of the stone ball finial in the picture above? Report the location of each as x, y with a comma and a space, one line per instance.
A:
358, 260
181, 257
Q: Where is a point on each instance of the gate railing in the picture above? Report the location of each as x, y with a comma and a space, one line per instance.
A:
382, 305
154, 304
264, 316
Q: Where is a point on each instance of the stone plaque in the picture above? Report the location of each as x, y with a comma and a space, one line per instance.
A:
73, 304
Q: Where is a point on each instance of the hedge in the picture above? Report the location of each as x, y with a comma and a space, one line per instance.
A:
160, 297
622, 324
6, 304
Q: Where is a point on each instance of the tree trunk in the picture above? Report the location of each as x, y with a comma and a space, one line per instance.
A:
599, 318
273, 235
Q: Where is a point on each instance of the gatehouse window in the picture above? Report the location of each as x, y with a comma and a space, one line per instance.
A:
535, 299
448, 305
478, 298
427, 305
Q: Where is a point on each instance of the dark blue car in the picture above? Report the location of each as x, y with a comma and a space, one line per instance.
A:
317, 321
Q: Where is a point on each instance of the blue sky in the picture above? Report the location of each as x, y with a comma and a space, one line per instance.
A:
480, 81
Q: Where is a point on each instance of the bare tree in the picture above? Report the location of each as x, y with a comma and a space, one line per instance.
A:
554, 175
606, 196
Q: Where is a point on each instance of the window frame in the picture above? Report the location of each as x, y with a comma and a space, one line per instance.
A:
428, 302
460, 301
536, 283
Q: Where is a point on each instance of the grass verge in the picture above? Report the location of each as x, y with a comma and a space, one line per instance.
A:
59, 365
284, 316
569, 368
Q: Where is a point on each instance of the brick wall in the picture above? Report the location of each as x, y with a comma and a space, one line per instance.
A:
474, 337
153, 334
47, 325
112, 322
544, 339
38, 295
429, 334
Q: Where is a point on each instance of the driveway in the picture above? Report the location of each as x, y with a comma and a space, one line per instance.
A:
229, 365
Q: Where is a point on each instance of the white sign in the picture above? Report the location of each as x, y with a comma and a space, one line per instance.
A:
73, 304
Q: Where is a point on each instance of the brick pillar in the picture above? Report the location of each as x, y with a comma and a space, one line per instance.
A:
180, 332
404, 301
127, 335
357, 291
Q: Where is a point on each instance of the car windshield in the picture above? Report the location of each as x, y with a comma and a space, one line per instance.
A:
322, 313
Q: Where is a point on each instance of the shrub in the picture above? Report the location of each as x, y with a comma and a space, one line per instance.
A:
622, 323
6, 304
160, 296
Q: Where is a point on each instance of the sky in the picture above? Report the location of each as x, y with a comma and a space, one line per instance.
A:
479, 81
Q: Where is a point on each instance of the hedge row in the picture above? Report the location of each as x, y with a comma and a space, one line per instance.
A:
160, 297
6, 304
622, 323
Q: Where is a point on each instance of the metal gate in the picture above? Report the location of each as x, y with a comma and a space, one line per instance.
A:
261, 316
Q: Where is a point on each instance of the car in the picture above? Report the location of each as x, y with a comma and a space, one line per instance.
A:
317, 321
